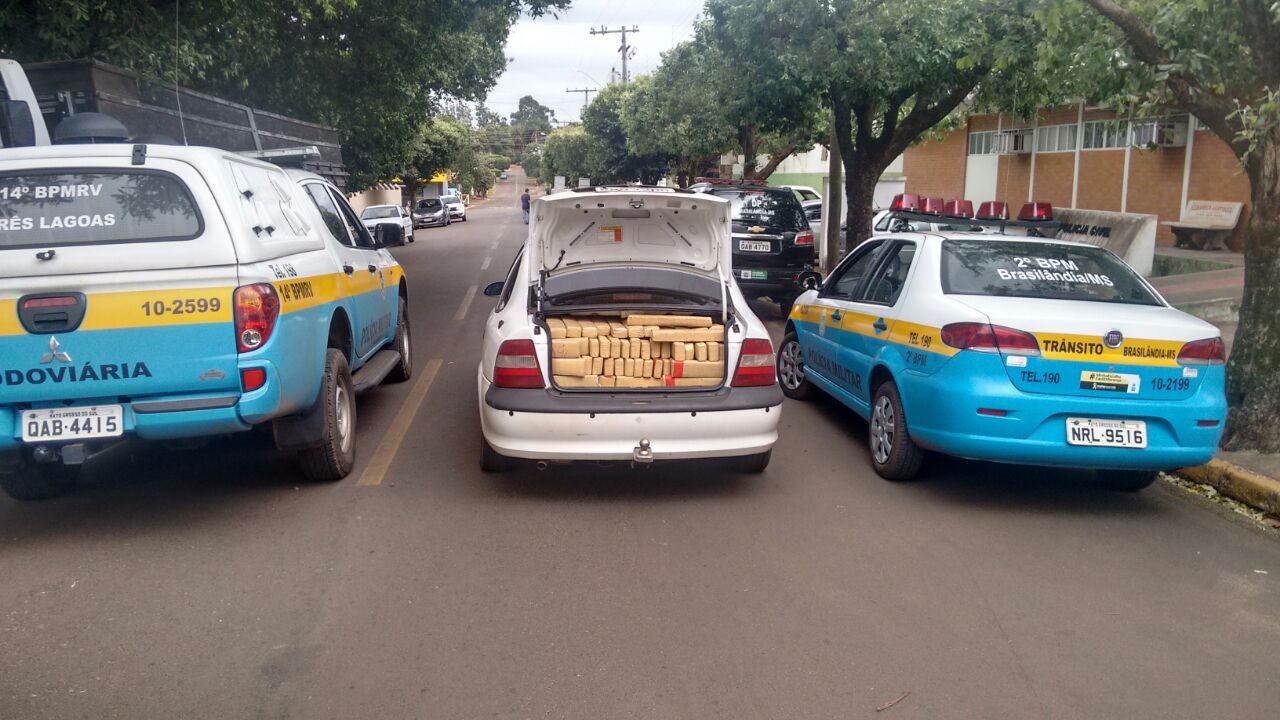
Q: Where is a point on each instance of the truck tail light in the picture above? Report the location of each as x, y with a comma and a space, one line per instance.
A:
1209, 351
252, 378
982, 337
755, 364
804, 237
257, 308
517, 366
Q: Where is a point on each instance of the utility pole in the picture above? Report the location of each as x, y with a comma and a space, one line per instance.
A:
586, 94
627, 50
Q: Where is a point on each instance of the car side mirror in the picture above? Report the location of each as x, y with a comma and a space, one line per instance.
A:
17, 128
810, 280
386, 235
494, 289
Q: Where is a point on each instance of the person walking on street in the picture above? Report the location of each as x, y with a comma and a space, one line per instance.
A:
524, 205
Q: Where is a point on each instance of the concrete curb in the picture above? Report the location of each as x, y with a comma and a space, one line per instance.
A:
1237, 483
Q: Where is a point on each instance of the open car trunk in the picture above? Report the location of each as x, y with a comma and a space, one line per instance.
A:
636, 350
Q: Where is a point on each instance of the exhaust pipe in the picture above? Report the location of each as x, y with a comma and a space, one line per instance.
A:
541, 465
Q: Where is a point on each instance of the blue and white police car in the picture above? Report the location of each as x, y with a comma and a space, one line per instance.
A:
1008, 348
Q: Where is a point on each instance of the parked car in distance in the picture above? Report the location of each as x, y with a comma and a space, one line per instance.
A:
502, 175
1011, 349
804, 193
374, 215
623, 276
430, 212
813, 213
457, 209
773, 250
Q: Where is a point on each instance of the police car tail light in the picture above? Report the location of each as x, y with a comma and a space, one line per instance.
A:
958, 209
1036, 211
931, 206
993, 210
804, 237
1209, 351
755, 365
905, 202
257, 307
517, 366
981, 337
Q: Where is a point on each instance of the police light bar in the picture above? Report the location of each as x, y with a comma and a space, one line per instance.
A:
931, 206
1036, 211
993, 210
905, 202
958, 209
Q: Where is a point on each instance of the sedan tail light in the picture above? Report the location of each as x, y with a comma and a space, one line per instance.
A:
257, 307
756, 364
517, 366
804, 238
982, 337
1209, 351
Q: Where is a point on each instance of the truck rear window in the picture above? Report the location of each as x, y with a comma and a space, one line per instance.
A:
1008, 268
84, 208
777, 210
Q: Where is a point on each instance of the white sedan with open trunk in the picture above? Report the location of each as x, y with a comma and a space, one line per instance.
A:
620, 335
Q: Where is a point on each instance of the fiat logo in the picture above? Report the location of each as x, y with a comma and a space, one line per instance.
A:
1113, 339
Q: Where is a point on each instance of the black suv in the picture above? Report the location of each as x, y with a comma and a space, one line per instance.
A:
773, 251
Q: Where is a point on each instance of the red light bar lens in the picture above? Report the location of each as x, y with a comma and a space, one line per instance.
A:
931, 206
905, 202
993, 210
1036, 211
958, 209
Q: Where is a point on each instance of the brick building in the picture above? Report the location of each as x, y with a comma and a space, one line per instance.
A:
1083, 158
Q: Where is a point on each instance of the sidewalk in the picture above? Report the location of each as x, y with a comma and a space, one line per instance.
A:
1210, 286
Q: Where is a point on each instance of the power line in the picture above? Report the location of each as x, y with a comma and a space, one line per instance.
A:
627, 51
586, 94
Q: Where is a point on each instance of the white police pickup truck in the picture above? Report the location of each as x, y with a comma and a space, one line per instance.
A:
161, 292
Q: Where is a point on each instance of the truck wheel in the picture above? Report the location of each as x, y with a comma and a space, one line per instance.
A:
403, 369
791, 375
893, 455
752, 464
491, 461
40, 482
1127, 480
336, 454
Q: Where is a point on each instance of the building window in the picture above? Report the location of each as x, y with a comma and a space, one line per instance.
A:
982, 143
1106, 134
1056, 138
1013, 142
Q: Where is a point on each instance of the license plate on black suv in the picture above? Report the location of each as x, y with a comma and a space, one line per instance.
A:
755, 246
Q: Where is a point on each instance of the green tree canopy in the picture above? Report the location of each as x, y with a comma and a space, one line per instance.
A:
611, 158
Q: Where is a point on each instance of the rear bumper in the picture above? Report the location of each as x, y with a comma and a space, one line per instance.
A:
942, 414
551, 426
775, 279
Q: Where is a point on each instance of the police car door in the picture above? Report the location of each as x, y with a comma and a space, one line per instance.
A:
827, 343
373, 285
354, 274
869, 317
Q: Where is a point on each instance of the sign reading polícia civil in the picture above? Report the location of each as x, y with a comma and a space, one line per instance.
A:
1132, 236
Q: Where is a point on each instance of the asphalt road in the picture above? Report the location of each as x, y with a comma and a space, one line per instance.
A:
217, 583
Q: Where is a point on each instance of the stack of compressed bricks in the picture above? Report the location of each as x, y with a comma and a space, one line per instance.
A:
640, 351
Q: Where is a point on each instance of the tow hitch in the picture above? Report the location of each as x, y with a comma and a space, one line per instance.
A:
643, 454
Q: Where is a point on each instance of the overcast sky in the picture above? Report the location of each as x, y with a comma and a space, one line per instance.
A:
544, 52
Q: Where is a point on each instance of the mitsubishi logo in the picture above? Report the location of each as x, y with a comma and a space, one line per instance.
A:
55, 353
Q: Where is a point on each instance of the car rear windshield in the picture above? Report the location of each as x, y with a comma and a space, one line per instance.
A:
90, 207
380, 212
777, 210
429, 205
1052, 271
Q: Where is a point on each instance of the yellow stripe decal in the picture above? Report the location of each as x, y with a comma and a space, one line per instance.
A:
9, 324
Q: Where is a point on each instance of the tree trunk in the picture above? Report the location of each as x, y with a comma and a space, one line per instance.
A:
859, 195
1253, 375
750, 148
774, 161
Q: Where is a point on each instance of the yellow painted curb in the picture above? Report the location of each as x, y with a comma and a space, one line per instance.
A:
1237, 483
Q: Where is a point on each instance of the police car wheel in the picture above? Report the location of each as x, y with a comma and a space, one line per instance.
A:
336, 454
791, 369
40, 482
403, 345
491, 461
893, 454
1127, 480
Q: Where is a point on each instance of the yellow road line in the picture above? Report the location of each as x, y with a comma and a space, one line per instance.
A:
376, 470
466, 304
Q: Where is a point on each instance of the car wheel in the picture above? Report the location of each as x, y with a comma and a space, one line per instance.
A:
893, 454
752, 464
464, 218
336, 454
1127, 480
784, 305
491, 461
791, 374
403, 344
40, 481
